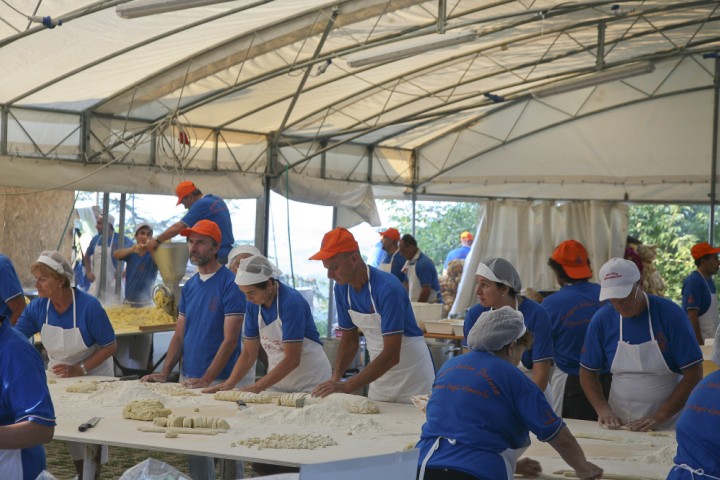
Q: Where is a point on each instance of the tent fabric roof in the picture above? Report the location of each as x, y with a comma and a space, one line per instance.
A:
242, 92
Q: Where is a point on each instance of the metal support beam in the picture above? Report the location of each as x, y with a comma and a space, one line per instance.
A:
600, 58
714, 159
102, 292
442, 16
4, 132
121, 244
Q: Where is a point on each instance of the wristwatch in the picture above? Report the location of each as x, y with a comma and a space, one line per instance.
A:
84, 370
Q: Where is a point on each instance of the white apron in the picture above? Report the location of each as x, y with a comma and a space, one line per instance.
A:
66, 346
11, 464
94, 288
413, 375
558, 379
510, 456
314, 365
387, 267
708, 321
414, 286
641, 379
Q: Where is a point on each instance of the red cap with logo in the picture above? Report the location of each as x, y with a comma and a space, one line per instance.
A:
392, 234
338, 240
183, 190
573, 258
204, 227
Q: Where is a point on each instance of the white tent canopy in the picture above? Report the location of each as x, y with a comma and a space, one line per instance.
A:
236, 94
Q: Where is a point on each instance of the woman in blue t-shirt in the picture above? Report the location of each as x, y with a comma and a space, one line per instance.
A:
482, 409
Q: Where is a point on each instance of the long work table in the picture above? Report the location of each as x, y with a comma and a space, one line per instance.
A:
396, 428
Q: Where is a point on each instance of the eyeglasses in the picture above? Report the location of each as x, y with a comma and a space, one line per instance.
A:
627, 301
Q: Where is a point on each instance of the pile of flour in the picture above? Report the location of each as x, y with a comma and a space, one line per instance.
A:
320, 415
119, 394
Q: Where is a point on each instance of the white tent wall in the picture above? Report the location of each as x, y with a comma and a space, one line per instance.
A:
526, 232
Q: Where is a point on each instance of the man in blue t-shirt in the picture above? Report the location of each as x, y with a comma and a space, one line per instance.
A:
421, 276
647, 344
210, 317
460, 253
570, 310
699, 298
200, 207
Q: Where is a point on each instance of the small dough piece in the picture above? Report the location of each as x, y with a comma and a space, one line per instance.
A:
187, 422
81, 387
177, 422
160, 421
145, 410
52, 381
171, 434
223, 424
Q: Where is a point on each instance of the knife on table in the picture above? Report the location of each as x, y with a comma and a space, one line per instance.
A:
89, 424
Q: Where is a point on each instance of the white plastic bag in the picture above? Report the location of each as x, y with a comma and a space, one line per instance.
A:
152, 469
45, 475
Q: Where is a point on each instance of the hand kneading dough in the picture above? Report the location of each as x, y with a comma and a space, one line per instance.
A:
145, 410
351, 403
82, 387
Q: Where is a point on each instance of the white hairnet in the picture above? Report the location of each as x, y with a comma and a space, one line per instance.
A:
56, 262
251, 249
500, 270
495, 329
255, 269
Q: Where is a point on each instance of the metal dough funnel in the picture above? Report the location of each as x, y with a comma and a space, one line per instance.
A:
171, 260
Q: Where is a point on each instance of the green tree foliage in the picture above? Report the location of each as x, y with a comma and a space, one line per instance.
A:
438, 225
674, 229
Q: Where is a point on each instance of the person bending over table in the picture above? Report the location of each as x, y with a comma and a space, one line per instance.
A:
648, 345
376, 302
74, 329
210, 317
698, 450
499, 286
482, 408
279, 319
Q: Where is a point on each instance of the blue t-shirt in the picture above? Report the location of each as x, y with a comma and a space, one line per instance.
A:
10, 286
139, 278
91, 319
536, 320
205, 306
398, 262
115, 245
460, 253
672, 331
391, 301
427, 274
213, 208
696, 291
570, 310
24, 394
487, 405
295, 315
697, 430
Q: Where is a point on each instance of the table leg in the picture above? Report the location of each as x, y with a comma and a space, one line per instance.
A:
91, 464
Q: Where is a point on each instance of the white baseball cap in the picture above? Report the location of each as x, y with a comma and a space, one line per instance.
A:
617, 278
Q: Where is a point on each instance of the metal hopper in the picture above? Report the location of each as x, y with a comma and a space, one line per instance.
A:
171, 260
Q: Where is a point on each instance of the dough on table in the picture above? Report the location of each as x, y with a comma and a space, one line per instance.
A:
145, 410
247, 397
82, 387
351, 403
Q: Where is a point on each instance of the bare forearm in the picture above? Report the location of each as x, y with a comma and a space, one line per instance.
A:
693, 316
677, 399
424, 294
590, 383
349, 345
97, 358
541, 374
171, 232
284, 368
24, 435
378, 367
173, 355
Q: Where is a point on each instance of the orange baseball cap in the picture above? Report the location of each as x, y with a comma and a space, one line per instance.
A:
338, 240
699, 250
466, 236
204, 227
573, 258
183, 190
392, 234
